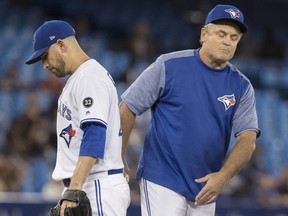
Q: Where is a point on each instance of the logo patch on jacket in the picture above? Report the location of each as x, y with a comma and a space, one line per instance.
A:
227, 100
67, 134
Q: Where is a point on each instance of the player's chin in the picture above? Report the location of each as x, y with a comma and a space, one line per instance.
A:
224, 53
225, 57
58, 74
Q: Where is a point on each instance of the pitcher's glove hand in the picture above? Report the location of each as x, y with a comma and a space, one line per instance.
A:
83, 207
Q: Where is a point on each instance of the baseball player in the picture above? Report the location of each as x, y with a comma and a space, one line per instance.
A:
89, 138
196, 97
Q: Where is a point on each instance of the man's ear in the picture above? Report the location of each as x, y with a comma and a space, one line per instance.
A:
61, 45
203, 35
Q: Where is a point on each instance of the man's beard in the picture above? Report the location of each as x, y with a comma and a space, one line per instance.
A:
60, 68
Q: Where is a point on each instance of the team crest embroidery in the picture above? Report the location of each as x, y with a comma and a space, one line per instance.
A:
227, 100
233, 13
67, 134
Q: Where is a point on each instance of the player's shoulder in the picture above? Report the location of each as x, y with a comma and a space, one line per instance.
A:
177, 54
92, 68
237, 73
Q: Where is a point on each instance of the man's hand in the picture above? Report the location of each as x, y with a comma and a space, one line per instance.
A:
66, 204
215, 183
72, 203
126, 171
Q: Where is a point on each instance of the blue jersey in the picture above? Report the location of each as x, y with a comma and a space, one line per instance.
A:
194, 109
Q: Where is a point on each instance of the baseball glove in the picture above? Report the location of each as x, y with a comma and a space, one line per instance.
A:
83, 207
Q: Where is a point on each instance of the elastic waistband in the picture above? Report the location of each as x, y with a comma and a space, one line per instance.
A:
67, 181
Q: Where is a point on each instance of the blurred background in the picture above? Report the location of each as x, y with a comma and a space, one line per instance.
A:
125, 37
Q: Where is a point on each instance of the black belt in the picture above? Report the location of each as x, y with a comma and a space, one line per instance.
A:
67, 181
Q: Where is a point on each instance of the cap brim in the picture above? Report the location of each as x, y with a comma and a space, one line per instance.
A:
242, 26
36, 56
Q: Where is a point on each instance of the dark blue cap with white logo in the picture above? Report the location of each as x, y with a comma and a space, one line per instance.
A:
227, 12
48, 34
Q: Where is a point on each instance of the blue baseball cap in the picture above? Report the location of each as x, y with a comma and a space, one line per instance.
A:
227, 12
48, 34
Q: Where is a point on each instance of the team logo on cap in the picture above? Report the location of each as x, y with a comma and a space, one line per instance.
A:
233, 13
67, 134
227, 100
